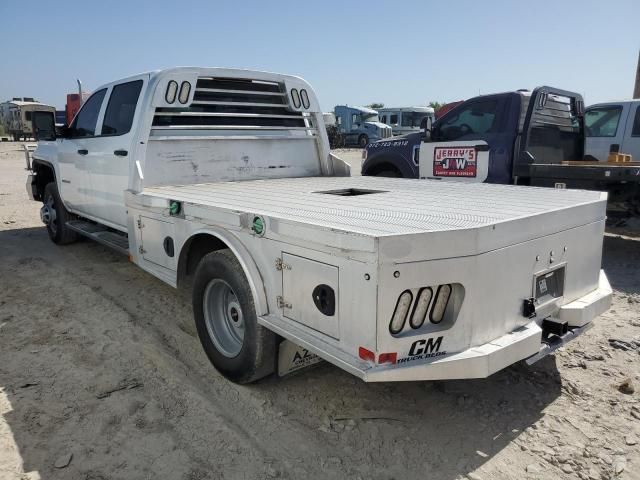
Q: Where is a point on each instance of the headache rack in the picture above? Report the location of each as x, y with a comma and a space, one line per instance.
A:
234, 107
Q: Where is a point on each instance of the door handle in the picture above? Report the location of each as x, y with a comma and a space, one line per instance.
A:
83, 151
120, 153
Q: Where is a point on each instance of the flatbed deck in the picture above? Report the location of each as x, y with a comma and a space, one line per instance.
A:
398, 206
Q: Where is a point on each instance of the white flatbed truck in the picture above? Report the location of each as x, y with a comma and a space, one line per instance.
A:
221, 181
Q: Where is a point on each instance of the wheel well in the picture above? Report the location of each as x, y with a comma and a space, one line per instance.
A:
192, 252
44, 175
382, 167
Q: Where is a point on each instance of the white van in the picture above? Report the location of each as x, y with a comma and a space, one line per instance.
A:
613, 126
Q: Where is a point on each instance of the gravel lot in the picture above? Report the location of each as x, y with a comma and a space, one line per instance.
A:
102, 377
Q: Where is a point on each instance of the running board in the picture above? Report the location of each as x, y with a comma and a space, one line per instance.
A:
101, 234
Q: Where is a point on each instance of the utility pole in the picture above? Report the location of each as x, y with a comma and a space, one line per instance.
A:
636, 88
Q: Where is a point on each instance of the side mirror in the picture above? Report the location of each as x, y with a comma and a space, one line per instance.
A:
44, 125
63, 131
427, 129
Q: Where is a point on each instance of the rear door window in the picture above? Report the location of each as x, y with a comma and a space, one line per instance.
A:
121, 107
85, 122
602, 121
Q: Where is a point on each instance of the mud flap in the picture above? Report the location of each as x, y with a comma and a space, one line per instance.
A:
292, 358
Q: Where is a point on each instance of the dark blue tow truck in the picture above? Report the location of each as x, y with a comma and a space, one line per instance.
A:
521, 137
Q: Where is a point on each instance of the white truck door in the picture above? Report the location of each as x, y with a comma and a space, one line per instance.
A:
631, 141
111, 151
604, 127
74, 154
466, 161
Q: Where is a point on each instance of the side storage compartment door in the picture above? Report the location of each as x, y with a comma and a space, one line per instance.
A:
310, 294
156, 242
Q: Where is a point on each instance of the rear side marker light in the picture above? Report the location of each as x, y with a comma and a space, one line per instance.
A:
388, 358
421, 307
400, 313
440, 303
185, 90
172, 91
366, 355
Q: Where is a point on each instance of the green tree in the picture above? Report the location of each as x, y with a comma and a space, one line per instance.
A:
375, 105
435, 105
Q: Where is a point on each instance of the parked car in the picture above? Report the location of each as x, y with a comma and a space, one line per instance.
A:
218, 181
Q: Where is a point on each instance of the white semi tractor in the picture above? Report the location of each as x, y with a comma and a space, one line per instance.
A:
221, 181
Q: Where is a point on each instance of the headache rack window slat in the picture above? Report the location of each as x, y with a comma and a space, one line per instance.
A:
245, 92
228, 127
243, 104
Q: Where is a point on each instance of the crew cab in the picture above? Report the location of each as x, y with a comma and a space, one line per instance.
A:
221, 181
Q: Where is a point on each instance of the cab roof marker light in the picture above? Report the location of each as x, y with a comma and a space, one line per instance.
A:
185, 91
172, 91
401, 311
421, 307
440, 303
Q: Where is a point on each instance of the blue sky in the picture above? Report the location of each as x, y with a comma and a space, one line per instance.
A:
355, 52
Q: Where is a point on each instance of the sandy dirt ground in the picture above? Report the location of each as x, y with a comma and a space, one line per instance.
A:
102, 377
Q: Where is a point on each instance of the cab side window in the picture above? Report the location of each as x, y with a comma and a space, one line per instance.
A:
121, 107
476, 118
602, 122
393, 120
85, 122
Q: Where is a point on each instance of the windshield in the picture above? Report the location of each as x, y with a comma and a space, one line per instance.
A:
414, 119
370, 117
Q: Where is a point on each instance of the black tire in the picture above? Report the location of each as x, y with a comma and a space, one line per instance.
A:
363, 141
57, 227
257, 354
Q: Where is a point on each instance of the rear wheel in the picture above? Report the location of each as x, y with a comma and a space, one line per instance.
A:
55, 216
226, 320
363, 141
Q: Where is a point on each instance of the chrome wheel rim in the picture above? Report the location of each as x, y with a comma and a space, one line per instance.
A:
48, 214
223, 317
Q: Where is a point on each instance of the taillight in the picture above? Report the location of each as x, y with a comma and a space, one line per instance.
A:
421, 307
401, 311
388, 358
427, 305
440, 304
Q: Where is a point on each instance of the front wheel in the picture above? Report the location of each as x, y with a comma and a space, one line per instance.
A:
363, 141
55, 216
225, 315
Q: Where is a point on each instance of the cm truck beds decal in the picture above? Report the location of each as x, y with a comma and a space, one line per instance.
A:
454, 162
421, 349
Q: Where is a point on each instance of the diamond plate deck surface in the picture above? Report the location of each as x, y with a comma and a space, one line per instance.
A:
405, 206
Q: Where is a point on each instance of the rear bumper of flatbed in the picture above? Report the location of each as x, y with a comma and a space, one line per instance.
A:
525, 343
